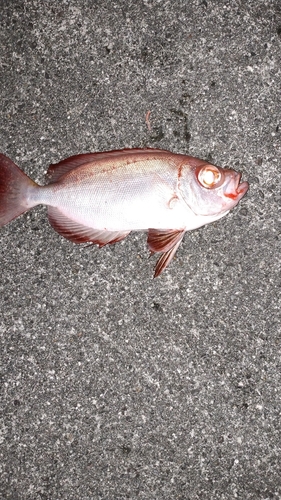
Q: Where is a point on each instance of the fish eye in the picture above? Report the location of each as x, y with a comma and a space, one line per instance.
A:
209, 176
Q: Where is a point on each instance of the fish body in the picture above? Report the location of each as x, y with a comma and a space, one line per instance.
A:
101, 197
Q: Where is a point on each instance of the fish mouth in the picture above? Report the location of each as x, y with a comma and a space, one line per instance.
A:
234, 189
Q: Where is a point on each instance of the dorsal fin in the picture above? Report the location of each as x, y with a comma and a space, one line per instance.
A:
57, 170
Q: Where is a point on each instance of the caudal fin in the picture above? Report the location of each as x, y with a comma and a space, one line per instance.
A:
15, 191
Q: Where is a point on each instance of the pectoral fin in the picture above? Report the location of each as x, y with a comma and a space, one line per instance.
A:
166, 242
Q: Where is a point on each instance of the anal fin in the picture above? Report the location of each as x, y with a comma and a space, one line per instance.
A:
78, 233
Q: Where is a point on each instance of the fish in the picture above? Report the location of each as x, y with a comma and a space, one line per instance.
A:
99, 198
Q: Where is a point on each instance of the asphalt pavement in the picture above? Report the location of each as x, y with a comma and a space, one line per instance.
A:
115, 385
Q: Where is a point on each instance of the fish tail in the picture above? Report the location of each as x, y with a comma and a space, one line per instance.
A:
16, 191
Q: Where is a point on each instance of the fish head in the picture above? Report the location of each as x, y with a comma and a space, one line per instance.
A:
212, 190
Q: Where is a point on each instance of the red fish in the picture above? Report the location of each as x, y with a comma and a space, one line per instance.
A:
101, 197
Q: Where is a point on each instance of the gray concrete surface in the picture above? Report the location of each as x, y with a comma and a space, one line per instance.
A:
115, 385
